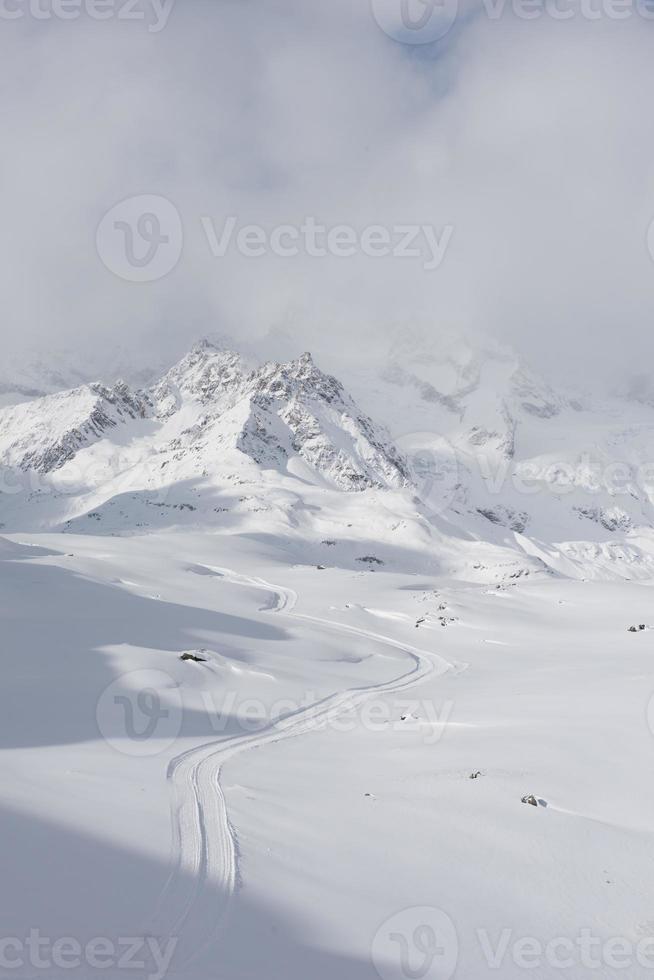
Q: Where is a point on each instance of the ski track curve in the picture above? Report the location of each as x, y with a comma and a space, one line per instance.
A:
204, 844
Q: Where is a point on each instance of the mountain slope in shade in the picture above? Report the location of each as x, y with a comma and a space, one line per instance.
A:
282, 411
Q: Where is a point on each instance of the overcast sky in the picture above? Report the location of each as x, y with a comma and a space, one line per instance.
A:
526, 147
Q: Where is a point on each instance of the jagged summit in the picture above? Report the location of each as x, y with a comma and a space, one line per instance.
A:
209, 409
207, 374
320, 423
286, 380
489, 444
274, 414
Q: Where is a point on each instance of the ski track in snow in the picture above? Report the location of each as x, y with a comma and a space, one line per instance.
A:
204, 877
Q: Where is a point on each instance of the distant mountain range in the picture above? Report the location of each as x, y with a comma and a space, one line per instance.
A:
458, 434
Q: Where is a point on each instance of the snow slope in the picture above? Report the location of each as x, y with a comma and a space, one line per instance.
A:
299, 829
281, 663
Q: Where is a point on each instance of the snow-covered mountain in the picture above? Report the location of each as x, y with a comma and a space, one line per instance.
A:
240, 557
213, 416
279, 416
490, 441
455, 433
44, 434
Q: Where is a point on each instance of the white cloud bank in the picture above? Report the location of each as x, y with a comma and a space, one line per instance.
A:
529, 138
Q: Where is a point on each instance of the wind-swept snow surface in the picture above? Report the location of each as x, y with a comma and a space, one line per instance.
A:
319, 773
297, 686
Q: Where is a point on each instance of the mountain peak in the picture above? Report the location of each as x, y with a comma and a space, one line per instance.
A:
206, 374
207, 415
42, 435
204, 344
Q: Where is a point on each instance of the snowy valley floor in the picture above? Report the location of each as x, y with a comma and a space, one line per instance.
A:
300, 803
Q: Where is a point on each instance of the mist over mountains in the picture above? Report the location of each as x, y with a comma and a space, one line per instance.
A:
455, 439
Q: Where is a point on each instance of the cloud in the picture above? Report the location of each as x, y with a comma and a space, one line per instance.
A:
530, 139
